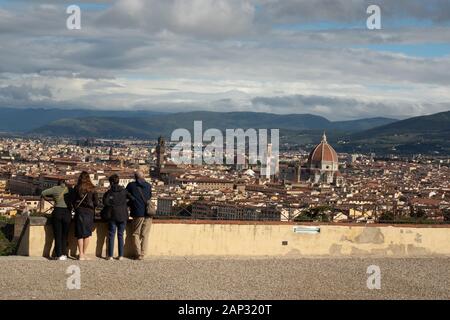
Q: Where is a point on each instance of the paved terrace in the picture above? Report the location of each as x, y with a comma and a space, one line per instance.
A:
227, 278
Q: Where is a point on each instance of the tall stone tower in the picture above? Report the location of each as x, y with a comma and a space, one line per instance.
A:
160, 154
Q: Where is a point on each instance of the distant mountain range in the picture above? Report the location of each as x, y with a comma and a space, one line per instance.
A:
24, 120
91, 122
438, 123
424, 134
163, 124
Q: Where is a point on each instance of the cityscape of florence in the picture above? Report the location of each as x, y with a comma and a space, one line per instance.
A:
321, 185
238, 153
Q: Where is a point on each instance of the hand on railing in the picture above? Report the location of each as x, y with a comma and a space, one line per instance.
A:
41, 205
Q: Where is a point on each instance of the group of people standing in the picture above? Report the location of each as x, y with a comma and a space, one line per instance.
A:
83, 200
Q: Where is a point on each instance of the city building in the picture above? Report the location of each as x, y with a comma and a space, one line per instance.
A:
323, 164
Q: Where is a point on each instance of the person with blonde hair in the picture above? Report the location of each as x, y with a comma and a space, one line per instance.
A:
84, 201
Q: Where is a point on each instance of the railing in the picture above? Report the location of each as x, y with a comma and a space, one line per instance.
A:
185, 213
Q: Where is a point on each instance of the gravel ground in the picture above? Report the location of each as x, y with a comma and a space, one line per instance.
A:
226, 278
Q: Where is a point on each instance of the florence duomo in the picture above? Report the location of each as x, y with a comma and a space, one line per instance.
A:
323, 164
320, 168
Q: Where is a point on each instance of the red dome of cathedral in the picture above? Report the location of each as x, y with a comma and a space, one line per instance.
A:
323, 152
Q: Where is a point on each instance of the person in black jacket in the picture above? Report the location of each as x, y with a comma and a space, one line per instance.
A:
141, 191
115, 201
84, 200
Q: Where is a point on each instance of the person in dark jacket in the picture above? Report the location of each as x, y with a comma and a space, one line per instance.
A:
115, 201
141, 191
84, 201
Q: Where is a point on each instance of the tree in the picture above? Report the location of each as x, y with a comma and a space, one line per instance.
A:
315, 214
446, 214
418, 214
386, 217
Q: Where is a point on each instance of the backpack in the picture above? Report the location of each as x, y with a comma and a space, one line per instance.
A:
106, 212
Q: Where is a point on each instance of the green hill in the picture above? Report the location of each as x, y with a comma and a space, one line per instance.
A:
424, 134
164, 124
23, 120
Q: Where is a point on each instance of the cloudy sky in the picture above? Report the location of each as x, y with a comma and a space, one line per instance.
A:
280, 56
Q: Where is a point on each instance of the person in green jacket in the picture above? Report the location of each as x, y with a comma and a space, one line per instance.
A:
61, 217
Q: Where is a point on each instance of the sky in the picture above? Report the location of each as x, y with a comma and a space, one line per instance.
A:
279, 56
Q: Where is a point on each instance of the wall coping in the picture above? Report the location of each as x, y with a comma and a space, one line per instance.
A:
41, 221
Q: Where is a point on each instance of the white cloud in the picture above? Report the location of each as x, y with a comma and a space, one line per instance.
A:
210, 18
219, 55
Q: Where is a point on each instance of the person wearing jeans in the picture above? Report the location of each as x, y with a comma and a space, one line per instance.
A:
112, 227
115, 205
61, 217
